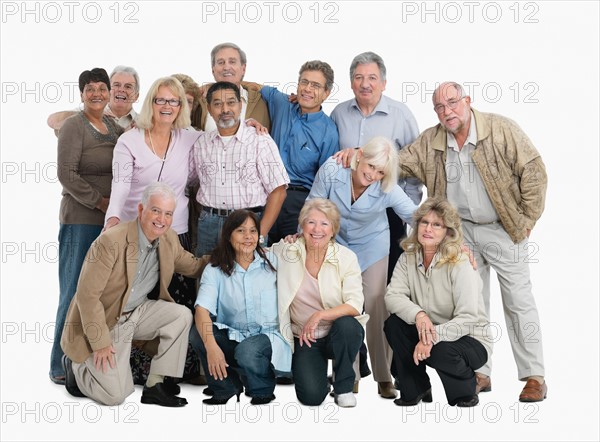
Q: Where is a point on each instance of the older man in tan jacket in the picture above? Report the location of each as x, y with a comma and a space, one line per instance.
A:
122, 295
490, 171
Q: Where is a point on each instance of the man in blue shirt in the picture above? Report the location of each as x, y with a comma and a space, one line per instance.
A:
306, 138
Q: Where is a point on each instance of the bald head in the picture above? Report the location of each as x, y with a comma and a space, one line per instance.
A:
452, 106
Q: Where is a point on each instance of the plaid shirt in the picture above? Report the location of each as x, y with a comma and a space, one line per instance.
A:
239, 174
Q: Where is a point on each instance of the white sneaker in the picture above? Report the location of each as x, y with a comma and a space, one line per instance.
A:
345, 400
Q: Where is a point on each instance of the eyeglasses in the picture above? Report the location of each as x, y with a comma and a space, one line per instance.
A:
451, 104
434, 225
316, 86
172, 102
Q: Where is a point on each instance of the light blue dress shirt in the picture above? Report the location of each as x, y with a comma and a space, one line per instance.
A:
305, 142
245, 303
364, 227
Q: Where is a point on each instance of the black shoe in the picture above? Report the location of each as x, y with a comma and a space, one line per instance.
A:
222, 400
467, 401
70, 382
284, 380
170, 386
425, 397
208, 391
261, 400
160, 395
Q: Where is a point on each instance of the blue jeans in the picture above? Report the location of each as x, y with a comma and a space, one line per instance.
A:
249, 364
309, 364
74, 240
209, 231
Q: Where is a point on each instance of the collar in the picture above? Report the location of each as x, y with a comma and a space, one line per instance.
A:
309, 118
243, 94
471, 136
144, 244
238, 135
482, 131
382, 106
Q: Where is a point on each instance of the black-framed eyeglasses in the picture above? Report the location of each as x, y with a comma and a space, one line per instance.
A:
172, 102
439, 108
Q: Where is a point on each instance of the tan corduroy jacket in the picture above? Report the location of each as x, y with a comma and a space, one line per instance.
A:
105, 283
510, 167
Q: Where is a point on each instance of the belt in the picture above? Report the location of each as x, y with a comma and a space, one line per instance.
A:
227, 212
298, 188
481, 224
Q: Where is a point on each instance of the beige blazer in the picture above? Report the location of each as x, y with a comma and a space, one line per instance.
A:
105, 282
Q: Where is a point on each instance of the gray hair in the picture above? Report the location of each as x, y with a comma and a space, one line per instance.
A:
459, 89
322, 67
366, 58
217, 48
127, 70
382, 153
158, 188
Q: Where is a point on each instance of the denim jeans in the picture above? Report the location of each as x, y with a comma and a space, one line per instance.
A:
249, 364
209, 231
74, 240
309, 364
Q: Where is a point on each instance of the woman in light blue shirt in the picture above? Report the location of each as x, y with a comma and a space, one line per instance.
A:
362, 194
237, 329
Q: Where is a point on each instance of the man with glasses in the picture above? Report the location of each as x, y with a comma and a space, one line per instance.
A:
491, 172
236, 169
306, 137
124, 91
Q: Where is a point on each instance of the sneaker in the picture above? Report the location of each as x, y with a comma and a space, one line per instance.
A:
345, 400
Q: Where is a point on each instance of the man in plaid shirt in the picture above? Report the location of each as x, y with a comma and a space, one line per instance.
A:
236, 168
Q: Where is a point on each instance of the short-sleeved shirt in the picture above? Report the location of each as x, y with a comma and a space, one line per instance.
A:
237, 174
245, 304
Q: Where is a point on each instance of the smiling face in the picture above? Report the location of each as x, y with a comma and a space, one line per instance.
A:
228, 66
123, 93
244, 240
95, 96
366, 173
431, 231
317, 230
311, 91
453, 111
157, 216
225, 108
165, 113
367, 85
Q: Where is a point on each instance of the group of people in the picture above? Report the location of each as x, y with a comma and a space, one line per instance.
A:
285, 248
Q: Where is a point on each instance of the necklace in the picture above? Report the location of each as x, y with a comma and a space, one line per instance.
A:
152, 145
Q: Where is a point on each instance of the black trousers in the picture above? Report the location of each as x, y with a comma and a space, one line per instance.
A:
454, 362
287, 220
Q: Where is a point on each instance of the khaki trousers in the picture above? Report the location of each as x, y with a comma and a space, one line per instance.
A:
154, 318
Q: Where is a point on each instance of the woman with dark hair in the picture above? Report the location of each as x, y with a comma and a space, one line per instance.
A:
437, 312
237, 328
84, 161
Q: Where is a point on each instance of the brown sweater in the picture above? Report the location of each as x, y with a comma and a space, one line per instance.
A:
84, 168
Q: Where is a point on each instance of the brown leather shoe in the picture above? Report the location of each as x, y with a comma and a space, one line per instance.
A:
484, 383
533, 391
386, 390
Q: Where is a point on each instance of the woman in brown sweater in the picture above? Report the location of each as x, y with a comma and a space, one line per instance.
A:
84, 168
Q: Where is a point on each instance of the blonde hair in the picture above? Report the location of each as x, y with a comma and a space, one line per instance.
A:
381, 152
145, 119
451, 245
326, 207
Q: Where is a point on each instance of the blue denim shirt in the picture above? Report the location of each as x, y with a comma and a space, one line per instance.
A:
305, 141
245, 303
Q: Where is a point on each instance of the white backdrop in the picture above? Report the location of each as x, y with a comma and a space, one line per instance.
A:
535, 62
